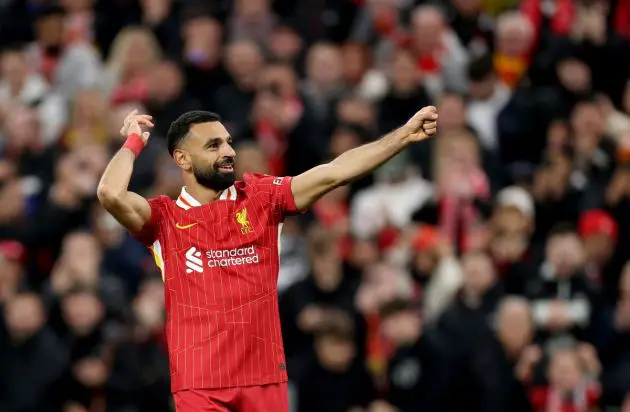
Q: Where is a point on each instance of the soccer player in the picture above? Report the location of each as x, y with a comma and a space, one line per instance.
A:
217, 247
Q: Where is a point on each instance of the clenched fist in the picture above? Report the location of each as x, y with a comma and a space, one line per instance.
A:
423, 124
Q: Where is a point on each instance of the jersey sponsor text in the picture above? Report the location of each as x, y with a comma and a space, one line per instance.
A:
232, 257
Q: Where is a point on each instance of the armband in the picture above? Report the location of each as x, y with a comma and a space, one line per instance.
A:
134, 143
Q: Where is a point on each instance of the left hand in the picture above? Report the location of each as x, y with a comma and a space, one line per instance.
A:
423, 124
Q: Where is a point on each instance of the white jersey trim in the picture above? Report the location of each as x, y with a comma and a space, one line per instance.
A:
186, 201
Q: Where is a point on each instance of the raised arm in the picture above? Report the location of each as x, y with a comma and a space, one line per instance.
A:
130, 209
308, 187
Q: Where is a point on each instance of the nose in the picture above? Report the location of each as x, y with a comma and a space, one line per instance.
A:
228, 151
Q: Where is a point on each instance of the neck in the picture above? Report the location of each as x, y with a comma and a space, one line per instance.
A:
201, 193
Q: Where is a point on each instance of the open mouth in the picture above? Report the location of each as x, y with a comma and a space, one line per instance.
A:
226, 168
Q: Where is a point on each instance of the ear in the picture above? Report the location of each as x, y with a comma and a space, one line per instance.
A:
183, 160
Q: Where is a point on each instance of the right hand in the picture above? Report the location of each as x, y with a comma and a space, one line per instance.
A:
133, 124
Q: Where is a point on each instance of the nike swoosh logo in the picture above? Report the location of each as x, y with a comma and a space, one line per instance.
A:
177, 225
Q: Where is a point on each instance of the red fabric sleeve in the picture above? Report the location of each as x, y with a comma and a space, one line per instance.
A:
278, 190
148, 234
285, 195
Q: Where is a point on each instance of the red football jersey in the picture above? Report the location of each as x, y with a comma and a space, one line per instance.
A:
219, 262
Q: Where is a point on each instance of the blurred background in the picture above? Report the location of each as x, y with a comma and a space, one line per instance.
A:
485, 270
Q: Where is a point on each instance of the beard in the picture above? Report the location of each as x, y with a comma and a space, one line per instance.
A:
213, 178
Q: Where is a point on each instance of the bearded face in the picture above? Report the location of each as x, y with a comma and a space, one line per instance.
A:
217, 176
205, 152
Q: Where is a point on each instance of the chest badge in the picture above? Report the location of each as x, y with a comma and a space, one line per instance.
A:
243, 220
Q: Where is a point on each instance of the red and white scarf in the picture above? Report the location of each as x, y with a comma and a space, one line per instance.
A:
459, 217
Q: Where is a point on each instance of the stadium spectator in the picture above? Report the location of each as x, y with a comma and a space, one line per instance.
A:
484, 270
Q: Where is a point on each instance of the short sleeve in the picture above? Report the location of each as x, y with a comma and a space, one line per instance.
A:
277, 190
149, 232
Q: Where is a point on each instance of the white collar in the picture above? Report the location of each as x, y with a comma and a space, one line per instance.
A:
186, 201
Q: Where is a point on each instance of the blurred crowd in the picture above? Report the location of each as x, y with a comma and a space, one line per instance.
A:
485, 270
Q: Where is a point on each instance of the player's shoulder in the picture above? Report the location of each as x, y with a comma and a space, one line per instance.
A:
160, 199
161, 202
252, 181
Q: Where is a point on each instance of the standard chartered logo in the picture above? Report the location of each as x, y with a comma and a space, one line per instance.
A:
232, 257
193, 261
220, 258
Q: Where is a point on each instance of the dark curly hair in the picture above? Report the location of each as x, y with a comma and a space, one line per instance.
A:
179, 129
